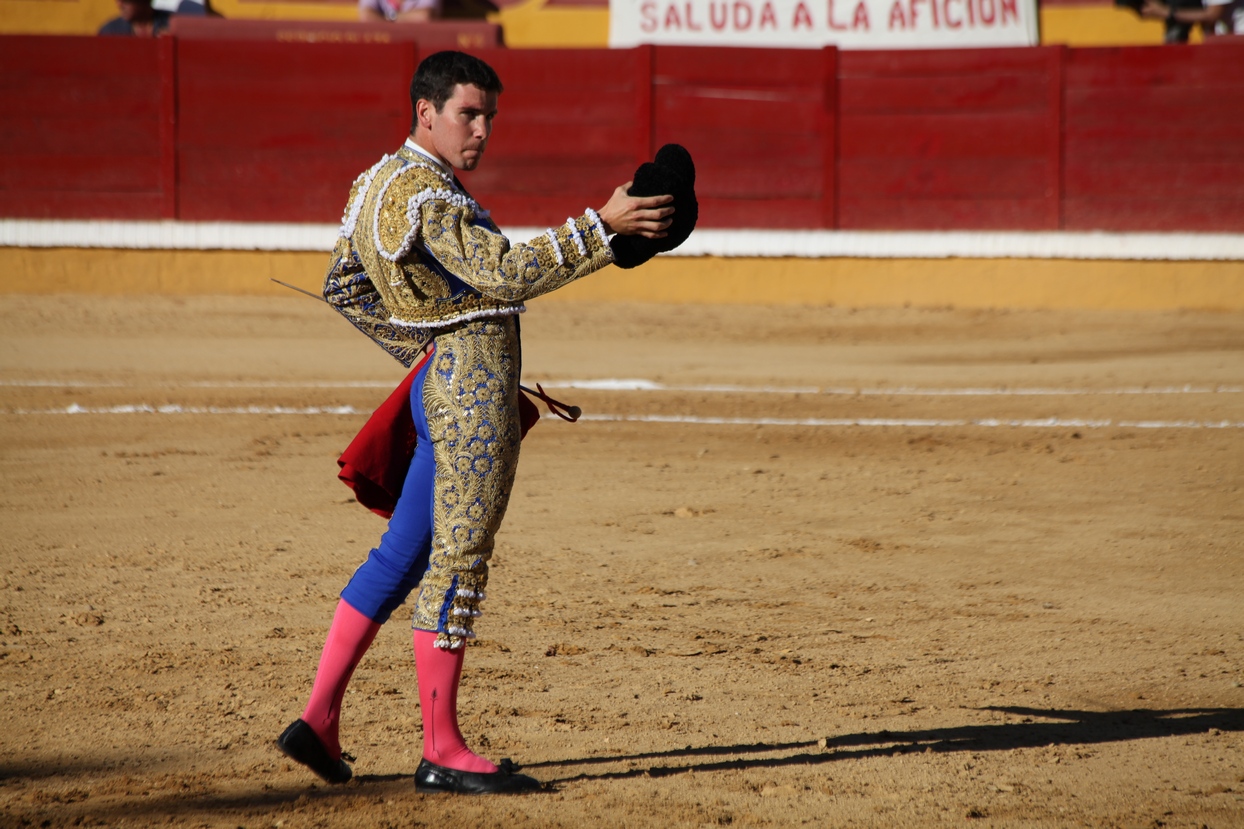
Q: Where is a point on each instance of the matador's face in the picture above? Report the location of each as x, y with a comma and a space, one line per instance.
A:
459, 132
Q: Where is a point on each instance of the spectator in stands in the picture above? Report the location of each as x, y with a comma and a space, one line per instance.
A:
187, 8
1233, 24
1222, 17
399, 11
137, 19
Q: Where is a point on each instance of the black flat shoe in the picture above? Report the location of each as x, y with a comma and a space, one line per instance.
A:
430, 777
301, 744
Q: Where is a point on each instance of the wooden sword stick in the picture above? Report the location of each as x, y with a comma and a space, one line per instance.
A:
299, 290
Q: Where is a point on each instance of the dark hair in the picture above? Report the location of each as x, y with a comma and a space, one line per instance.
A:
439, 73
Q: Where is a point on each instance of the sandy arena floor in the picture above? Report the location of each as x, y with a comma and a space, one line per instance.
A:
958, 621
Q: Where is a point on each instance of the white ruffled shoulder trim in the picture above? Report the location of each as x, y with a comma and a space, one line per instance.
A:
350, 220
412, 214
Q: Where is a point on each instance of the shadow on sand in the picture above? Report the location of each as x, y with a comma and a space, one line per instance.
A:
1070, 728
1062, 728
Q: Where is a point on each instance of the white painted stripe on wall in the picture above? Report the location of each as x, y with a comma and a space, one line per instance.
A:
173, 235
825, 244
167, 235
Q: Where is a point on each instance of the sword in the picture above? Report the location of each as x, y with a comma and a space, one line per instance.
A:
300, 290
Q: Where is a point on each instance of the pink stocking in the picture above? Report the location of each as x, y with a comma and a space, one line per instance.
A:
439, 671
349, 638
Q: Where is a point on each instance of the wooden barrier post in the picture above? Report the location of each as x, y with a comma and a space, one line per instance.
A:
829, 137
1055, 55
645, 137
168, 128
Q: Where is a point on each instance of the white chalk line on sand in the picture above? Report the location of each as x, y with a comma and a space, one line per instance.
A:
175, 408
988, 422
642, 385
201, 384
897, 391
865, 422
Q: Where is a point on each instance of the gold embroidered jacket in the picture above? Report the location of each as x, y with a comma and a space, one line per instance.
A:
417, 253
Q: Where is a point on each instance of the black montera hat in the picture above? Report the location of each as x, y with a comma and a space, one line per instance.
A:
673, 173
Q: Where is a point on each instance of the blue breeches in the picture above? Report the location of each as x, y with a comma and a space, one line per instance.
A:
395, 568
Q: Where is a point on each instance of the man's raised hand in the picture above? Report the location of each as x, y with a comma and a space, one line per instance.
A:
636, 215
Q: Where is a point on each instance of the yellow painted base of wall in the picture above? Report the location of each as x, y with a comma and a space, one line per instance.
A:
959, 283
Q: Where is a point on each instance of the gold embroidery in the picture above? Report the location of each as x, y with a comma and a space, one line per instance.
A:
470, 399
485, 260
413, 291
466, 246
349, 290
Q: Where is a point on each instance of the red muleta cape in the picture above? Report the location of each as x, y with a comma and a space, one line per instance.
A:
375, 463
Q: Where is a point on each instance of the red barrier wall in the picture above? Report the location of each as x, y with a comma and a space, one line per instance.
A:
1140, 138
1155, 138
949, 139
759, 124
278, 131
85, 127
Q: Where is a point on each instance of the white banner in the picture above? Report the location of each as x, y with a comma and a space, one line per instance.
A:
812, 24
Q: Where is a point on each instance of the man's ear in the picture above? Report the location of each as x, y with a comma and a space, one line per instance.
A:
424, 109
